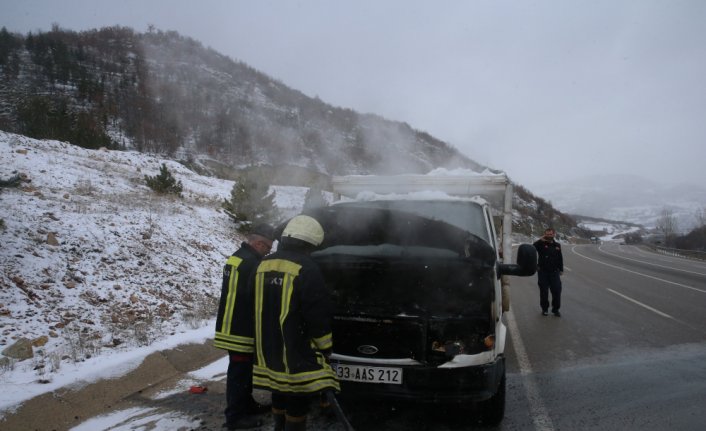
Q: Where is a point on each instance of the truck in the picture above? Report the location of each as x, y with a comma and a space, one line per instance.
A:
416, 269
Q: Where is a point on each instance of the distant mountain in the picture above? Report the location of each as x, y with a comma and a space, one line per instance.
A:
628, 198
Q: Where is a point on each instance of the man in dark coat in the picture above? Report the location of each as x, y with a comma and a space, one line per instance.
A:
550, 268
292, 329
234, 329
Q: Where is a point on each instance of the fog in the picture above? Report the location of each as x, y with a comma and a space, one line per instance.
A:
547, 90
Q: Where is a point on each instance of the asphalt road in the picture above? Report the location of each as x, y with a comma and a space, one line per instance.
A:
628, 353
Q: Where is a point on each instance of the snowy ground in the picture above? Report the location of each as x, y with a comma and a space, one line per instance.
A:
130, 272
610, 231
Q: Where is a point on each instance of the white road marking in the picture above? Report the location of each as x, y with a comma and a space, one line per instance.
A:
573, 249
650, 263
540, 415
654, 310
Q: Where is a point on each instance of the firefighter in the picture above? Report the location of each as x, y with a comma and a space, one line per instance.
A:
234, 329
293, 312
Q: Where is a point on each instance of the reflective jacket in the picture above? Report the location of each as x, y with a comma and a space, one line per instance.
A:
293, 314
233, 323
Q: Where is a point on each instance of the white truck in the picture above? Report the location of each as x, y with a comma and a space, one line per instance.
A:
415, 266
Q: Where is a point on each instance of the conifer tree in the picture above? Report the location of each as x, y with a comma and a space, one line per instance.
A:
250, 203
164, 183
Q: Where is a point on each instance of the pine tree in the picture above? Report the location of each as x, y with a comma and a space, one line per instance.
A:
250, 203
164, 183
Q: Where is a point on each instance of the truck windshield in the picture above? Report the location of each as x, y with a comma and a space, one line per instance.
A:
442, 229
465, 215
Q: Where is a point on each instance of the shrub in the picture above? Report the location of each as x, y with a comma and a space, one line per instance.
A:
250, 203
164, 183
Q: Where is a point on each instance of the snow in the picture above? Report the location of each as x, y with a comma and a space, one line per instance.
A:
149, 419
611, 231
21, 384
133, 272
462, 172
421, 195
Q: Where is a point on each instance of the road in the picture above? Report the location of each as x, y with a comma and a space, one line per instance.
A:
628, 353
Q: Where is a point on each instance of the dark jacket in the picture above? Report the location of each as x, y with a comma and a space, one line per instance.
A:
233, 325
292, 327
549, 257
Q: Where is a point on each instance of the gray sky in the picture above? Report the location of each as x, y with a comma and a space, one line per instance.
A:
545, 90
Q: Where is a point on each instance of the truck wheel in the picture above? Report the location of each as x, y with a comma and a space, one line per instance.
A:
492, 411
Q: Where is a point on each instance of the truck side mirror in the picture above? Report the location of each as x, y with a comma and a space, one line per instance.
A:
526, 262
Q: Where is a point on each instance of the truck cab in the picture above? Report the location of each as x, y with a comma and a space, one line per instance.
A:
413, 263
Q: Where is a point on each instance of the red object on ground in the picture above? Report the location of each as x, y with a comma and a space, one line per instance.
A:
198, 389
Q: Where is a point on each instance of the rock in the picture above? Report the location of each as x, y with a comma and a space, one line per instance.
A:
53, 334
19, 282
51, 239
70, 284
20, 350
40, 341
66, 195
21, 151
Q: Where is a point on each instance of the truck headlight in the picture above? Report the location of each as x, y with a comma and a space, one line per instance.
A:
449, 348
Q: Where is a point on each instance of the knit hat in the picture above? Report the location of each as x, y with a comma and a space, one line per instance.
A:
263, 230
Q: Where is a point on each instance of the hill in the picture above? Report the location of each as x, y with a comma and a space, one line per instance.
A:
93, 260
632, 199
164, 93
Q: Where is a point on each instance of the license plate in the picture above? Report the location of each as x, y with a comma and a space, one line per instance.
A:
365, 374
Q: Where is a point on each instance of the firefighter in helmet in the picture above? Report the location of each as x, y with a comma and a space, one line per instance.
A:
293, 312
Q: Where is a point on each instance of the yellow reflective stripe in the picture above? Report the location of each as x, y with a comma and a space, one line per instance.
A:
325, 342
279, 265
294, 378
287, 289
259, 284
234, 338
234, 262
291, 270
307, 388
233, 347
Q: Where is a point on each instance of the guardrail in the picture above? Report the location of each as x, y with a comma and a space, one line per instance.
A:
689, 254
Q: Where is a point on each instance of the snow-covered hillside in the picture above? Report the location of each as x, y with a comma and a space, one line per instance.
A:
93, 261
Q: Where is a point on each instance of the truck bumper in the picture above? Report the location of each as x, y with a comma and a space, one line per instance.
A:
434, 385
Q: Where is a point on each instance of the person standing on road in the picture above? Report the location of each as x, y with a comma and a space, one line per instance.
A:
293, 316
234, 329
550, 268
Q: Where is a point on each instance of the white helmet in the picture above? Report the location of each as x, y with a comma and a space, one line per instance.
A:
304, 228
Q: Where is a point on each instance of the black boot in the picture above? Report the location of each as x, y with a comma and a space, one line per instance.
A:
246, 422
278, 416
295, 423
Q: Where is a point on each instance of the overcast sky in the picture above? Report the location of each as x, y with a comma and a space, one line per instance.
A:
545, 90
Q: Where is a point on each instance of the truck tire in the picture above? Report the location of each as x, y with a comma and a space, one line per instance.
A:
492, 411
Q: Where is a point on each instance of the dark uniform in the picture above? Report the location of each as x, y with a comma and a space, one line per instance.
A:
550, 265
234, 332
293, 314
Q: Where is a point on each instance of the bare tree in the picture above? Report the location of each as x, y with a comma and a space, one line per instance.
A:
667, 224
700, 216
